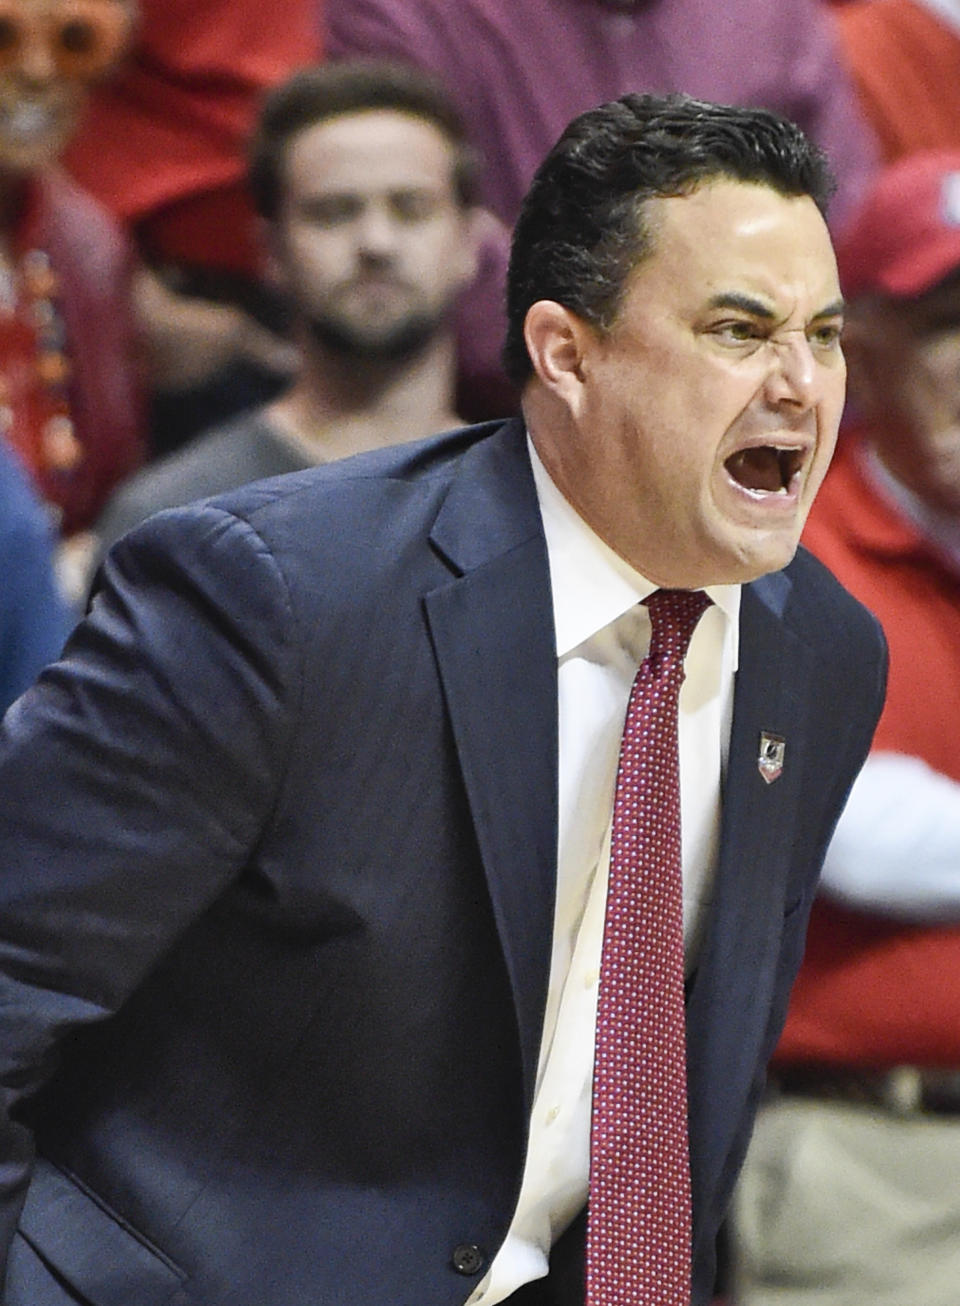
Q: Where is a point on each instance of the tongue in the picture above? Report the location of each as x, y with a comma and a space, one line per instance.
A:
756, 469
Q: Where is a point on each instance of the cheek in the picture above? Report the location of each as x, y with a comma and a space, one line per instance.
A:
65, 97
716, 395
317, 260
71, 99
435, 257
832, 408
918, 404
935, 383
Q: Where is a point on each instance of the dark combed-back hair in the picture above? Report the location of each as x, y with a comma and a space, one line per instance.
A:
313, 95
581, 229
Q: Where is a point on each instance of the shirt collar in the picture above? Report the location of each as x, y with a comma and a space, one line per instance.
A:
591, 585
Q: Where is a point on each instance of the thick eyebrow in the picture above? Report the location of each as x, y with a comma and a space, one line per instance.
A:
836, 309
757, 308
746, 303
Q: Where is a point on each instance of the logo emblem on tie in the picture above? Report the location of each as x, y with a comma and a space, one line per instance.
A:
770, 757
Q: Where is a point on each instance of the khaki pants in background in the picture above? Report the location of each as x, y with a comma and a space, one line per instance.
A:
843, 1205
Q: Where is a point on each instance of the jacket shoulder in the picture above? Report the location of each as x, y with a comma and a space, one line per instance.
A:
433, 459
846, 637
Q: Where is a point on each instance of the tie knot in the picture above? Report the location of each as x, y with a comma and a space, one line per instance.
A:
673, 618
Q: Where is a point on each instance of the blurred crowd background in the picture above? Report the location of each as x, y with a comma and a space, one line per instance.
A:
237, 238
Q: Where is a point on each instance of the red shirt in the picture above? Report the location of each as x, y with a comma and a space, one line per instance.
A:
163, 145
906, 64
872, 991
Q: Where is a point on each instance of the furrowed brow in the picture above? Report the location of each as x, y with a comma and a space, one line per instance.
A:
836, 309
757, 308
745, 303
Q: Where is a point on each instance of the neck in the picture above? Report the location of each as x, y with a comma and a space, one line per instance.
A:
341, 406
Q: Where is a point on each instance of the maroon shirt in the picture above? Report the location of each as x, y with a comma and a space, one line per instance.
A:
521, 69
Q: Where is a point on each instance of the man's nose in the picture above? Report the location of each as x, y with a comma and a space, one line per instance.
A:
794, 376
376, 232
34, 63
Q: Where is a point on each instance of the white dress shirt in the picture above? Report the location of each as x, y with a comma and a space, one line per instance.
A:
602, 634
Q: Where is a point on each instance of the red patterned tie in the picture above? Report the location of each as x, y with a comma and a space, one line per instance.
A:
638, 1238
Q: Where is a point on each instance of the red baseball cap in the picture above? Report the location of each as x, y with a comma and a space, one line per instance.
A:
905, 236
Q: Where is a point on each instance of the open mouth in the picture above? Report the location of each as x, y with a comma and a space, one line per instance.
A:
766, 468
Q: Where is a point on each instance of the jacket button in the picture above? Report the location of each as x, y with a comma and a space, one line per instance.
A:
467, 1258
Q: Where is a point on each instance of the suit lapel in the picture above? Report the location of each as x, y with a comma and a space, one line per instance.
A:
493, 635
729, 1005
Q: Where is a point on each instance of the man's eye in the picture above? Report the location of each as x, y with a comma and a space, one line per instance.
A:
413, 206
738, 332
331, 212
828, 335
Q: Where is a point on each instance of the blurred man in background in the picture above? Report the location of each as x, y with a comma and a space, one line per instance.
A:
850, 1192
364, 183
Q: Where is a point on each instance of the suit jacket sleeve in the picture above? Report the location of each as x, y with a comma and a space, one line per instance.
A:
134, 777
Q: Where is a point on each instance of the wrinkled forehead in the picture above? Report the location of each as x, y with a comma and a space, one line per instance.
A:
729, 234
371, 151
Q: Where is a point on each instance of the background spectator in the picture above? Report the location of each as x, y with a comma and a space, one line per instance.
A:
850, 1193
68, 383
363, 178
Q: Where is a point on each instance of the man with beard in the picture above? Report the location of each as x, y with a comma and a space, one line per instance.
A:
361, 175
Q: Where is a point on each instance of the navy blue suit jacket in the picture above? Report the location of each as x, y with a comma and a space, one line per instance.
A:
278, 846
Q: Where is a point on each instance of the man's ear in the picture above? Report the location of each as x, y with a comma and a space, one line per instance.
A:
557, 342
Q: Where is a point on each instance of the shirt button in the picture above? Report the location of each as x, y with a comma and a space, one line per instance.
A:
590, 979
467, 1258
552, 1114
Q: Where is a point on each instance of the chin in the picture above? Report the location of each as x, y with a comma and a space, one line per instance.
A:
737, 563
760, 562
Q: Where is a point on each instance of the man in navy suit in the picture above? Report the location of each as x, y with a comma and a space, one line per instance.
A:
305, 839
